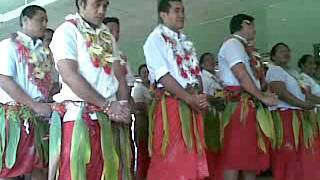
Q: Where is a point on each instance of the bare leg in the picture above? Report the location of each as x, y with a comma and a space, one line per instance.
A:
39, 174
231, 175
249, 175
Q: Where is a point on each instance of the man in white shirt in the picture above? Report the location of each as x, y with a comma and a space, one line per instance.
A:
113, 24
88, 60
238, 75
25, 81
173, 64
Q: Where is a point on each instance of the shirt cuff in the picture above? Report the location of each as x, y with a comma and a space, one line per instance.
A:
233, 63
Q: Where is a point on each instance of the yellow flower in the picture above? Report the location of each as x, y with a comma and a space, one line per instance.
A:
105, 37
38, 73
46, 66
34, 58
96, 49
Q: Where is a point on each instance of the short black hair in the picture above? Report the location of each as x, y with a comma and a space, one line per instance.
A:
50, 30
237, 20
201, 62
78, 1
30, 11
164, 6
274, 49
142, 66
107, 20
303, 60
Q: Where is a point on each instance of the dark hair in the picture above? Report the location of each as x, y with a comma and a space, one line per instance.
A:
303, 60
30, 11
164, 6
107, 20
78, 1
237, 20
274, 49
142, 66
203, 56
50, 30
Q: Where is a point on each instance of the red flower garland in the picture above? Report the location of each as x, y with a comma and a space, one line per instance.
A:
43, 85
179, 59
95, 60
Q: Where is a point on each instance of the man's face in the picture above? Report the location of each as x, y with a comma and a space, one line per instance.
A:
174, 19
47, 38
250, 29
93, 11
37, 25
114, 30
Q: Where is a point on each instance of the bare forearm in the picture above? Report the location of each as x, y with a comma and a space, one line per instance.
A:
281, 90
290, 99
84, 90
78, 84
313, 98
246, 81
123, 87
174, 87
15, 91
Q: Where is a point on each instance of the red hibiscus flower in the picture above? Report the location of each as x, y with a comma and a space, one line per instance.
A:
184, 74
88, 43
96, 62
179, 60
107, 69
193, 71
188, 57
197, 70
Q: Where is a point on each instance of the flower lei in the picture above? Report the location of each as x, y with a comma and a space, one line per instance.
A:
38, 62
185, 56
99, 45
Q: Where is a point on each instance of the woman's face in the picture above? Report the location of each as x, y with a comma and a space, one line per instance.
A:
309, 66
144, 73
282, 55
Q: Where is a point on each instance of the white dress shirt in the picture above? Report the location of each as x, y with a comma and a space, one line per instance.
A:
160, 57
68, 43
230, 54
11, 66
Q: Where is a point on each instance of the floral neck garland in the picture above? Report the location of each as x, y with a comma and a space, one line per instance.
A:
185, 55
99, 44
38, 62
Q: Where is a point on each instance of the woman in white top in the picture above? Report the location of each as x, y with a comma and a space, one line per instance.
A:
287, 159
142, 99
308, 67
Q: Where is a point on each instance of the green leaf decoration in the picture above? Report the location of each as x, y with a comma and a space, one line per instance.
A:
109, 152
186, 116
